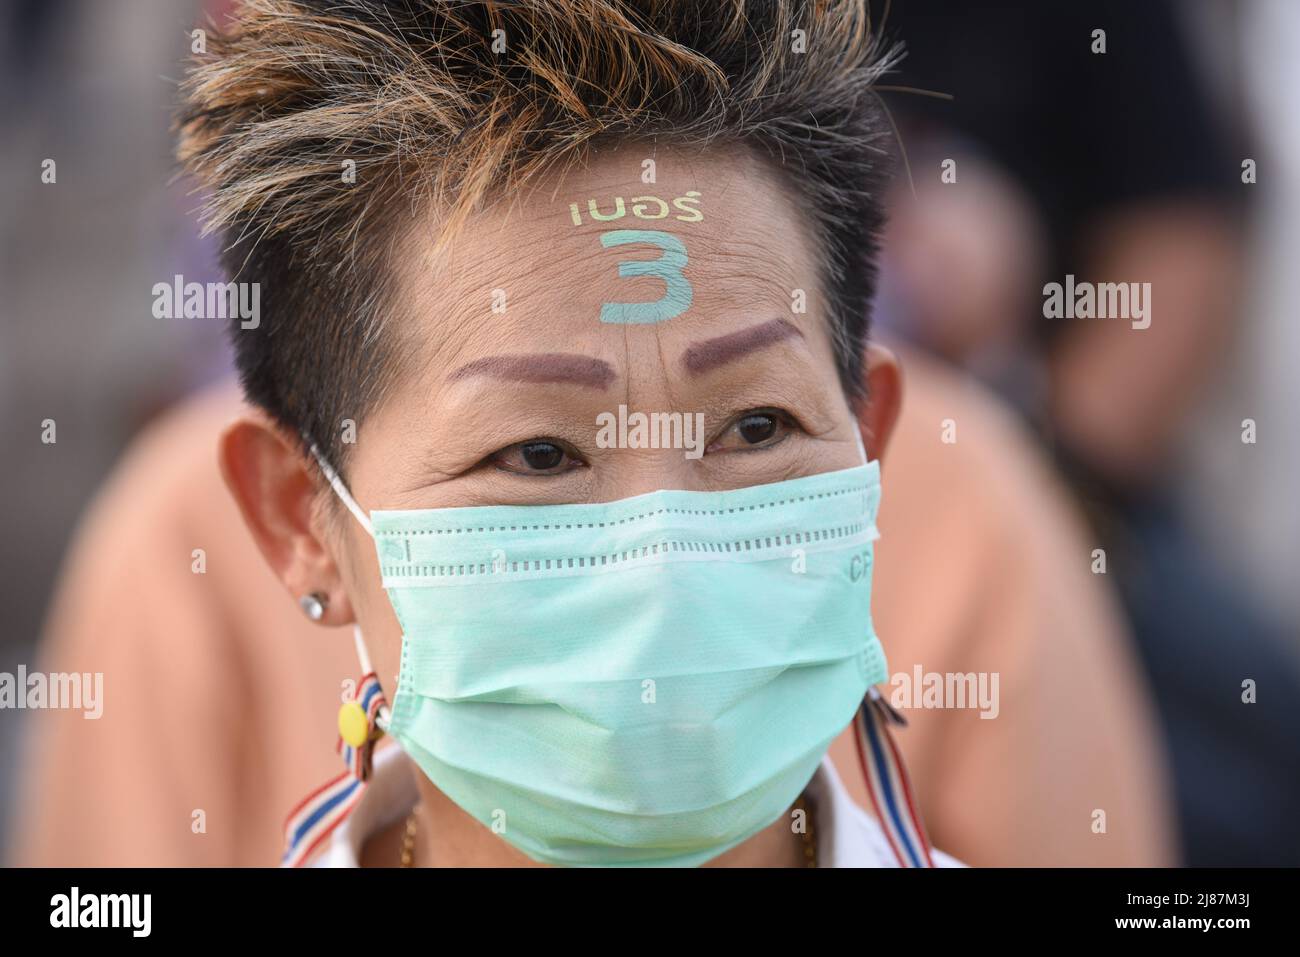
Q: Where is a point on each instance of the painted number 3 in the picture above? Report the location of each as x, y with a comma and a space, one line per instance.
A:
668, 267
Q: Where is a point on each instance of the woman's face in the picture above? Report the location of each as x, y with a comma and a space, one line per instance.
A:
522, 377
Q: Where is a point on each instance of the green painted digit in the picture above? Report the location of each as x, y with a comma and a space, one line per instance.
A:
668, 267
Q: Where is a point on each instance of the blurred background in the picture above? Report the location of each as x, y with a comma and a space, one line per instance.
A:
1128, 165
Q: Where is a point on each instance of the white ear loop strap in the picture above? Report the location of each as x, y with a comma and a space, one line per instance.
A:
341, 490
383, 717
862, 450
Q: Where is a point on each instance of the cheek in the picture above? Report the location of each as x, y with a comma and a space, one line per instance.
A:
384, 639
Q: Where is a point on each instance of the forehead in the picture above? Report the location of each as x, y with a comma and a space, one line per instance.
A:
637, 251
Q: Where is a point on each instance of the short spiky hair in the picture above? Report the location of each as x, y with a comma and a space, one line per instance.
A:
434, 114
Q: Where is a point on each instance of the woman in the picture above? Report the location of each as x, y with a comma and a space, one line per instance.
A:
561, 342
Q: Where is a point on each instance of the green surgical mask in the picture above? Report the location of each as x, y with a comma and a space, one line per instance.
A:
650, 681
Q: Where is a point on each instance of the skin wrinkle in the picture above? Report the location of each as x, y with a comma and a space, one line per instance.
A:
481, 259
462, 313
749, 287
749, 261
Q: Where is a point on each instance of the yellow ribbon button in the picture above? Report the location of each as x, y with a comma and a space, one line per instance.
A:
353, 726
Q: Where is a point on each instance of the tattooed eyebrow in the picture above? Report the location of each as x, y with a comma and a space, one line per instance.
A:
544, 367
708, 355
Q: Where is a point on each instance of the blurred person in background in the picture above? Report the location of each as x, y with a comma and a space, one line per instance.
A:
1099, 156
88, 224
1243, 500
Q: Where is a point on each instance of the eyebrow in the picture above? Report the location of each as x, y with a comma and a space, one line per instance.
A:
708, 355
547, 367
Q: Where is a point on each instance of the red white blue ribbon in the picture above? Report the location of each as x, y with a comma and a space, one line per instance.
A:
314, 819
887, 782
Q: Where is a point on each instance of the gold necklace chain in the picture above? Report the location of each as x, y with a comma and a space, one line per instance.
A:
809, 838
408, 840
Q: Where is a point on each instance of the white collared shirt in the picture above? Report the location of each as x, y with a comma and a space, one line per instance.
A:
846, 835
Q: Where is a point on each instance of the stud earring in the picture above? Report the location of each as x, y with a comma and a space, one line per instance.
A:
313, 605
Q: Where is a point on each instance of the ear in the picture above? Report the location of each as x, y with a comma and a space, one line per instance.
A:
878, 413
276, 493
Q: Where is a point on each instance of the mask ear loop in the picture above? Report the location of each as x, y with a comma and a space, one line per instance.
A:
383, 716
340, 488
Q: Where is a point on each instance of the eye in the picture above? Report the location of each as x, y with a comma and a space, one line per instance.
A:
537, 457
758, 428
